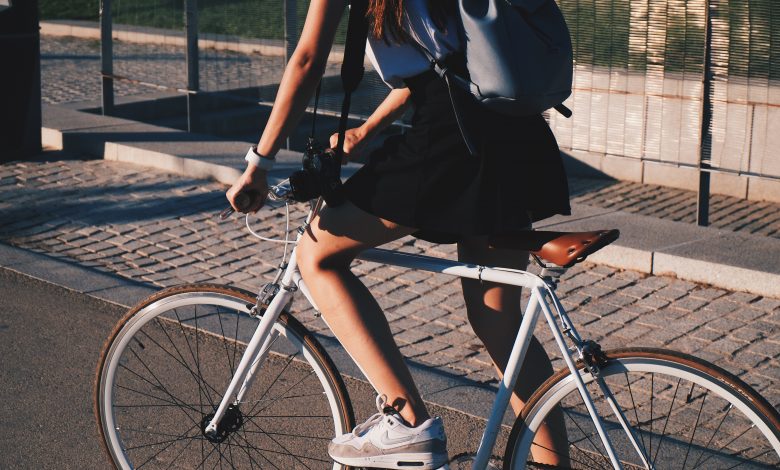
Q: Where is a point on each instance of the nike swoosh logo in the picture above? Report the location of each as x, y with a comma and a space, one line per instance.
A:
385, 439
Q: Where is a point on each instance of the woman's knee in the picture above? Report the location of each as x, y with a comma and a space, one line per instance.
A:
314, 256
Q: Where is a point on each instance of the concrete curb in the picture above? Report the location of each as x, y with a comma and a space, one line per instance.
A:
653, 246
437, 387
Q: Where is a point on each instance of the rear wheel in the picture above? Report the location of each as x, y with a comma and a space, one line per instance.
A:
165, 367
686, 414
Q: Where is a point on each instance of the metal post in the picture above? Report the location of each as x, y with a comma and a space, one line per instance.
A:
106, 57
290, 28
290, 35
705, 147
193, 79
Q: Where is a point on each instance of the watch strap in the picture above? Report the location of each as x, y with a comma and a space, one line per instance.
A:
260, 161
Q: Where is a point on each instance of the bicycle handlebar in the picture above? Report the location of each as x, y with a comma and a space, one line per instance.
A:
278, 192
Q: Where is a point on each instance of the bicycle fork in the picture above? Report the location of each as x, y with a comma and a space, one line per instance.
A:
591, 354
258, 347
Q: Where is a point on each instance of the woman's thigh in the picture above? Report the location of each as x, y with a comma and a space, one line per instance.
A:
493, 297
338, 234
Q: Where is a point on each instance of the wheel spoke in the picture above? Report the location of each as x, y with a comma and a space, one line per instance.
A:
588, 437
290, 435
161, 386
714, 433
752, 459
666, 423
249, 446
179, 404
170, 443
284, 393
695, 427
636, 413
199, 380
273, 382
227, 350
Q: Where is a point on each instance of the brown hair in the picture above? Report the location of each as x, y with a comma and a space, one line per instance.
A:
386, 17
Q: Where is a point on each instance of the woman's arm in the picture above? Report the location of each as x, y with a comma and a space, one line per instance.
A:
385, 114
302, 73
389, 111
300, 78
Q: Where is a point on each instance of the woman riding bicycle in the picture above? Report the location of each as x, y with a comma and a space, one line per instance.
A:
423, 183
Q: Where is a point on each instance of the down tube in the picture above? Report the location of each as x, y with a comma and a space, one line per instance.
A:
507, 384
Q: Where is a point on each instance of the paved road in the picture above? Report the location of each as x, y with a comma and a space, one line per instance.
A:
49, 344
50, 339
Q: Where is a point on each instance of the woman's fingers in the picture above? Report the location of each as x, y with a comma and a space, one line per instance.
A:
351, 143
334, 140
248, 193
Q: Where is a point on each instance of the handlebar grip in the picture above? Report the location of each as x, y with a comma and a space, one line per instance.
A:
243, 203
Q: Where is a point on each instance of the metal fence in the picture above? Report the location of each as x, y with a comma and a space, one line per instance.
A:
683, 83
232, 49
691, 85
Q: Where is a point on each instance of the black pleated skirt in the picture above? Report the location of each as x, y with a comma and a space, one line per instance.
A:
427, 179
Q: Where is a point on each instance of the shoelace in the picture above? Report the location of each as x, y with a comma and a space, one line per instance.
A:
381, 403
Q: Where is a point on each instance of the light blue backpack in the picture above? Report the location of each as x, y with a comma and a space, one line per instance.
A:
518, 54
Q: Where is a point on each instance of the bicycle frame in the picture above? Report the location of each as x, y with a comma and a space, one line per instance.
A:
289, 280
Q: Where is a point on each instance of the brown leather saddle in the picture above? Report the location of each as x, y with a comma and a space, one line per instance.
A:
562, 248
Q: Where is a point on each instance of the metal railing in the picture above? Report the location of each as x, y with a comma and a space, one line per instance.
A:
686, 84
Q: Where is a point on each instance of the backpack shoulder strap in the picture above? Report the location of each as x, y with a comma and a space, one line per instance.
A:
352, 67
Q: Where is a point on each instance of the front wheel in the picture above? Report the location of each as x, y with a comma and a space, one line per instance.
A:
685, 412
164, 369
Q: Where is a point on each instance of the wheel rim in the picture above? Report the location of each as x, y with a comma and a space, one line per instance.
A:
690, 421
164, 374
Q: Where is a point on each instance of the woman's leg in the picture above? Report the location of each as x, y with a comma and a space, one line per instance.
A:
324, 256
495, 315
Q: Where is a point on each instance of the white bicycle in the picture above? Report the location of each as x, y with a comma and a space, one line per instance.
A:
209, 376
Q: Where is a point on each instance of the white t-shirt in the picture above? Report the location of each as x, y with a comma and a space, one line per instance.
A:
394, 62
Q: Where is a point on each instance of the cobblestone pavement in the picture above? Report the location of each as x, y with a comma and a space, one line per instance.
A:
162, 229
729, 213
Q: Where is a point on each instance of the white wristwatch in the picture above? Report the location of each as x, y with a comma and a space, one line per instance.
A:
260, 161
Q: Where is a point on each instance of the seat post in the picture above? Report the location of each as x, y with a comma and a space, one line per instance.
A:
550, 274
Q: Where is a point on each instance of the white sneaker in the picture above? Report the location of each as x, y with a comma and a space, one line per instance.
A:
386, 441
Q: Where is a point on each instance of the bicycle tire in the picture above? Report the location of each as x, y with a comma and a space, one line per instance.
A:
749, 425
156, 378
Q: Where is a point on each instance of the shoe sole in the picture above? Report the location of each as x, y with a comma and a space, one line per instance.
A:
396, 461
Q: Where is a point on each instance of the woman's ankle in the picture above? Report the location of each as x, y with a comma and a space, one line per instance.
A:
413, 417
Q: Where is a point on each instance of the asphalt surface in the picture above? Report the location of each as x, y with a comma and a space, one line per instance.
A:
50, 341
49, 344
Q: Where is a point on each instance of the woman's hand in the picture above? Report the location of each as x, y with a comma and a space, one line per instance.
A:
253, 183
355, 141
